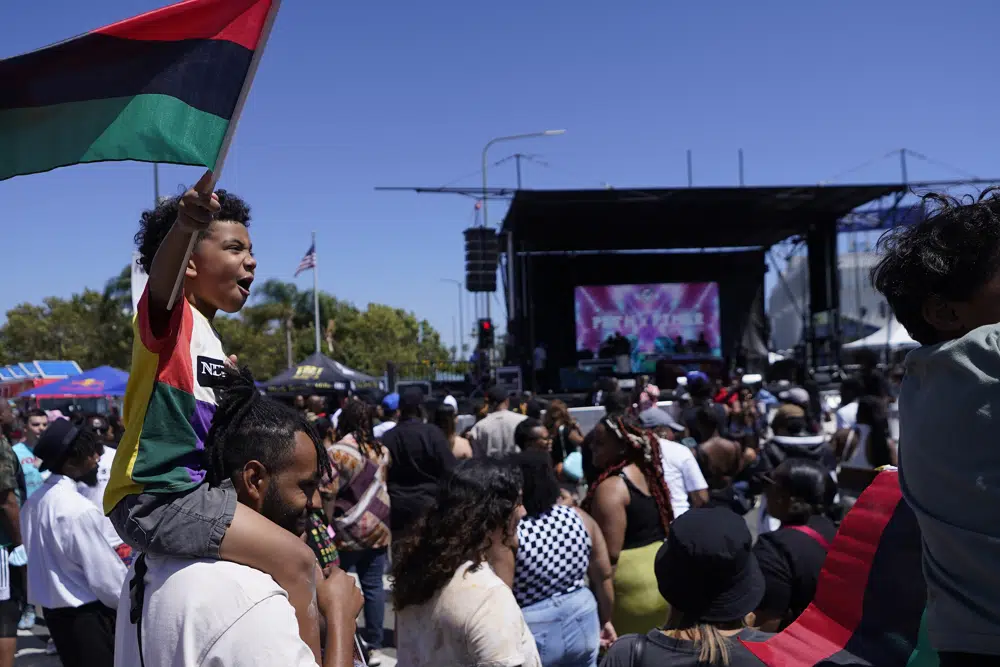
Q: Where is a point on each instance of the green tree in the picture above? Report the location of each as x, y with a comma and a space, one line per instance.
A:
381, 334
262, 350
85, 328
118, 290
116, 319
277, 303
95, 328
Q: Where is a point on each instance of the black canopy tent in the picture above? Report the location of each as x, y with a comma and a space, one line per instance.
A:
318, 374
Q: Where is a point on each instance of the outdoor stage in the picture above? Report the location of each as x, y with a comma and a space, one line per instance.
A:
658, 247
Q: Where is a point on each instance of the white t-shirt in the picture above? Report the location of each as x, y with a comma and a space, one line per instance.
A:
207, 613
383, 428
95, 494
682, 474
72, 563
494, 434
847, 415
473, 620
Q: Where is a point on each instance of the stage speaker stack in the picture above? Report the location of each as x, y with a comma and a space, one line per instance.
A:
824, 296
482, 251
824, 278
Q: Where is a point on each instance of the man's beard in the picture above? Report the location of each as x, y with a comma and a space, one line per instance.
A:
275, 510
90, 479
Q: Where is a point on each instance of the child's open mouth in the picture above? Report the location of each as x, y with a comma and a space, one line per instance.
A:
244, 285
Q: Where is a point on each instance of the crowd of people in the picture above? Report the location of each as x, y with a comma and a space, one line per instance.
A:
210, 524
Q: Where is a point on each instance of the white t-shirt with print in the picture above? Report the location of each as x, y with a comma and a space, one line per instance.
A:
682, 474
210, 612
473, 620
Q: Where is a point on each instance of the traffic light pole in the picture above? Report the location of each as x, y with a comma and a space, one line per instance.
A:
486, 149
510, 248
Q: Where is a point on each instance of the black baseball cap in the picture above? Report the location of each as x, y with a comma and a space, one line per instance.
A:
497, 395
706, 568
53, 444
411, 399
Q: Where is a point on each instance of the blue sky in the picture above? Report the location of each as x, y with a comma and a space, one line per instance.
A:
353, 95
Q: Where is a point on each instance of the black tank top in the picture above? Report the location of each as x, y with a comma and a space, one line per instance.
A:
642, 518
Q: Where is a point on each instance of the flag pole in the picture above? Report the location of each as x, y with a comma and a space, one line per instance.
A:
316, 293
227, 139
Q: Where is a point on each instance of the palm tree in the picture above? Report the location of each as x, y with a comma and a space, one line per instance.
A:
278, 301
118, 291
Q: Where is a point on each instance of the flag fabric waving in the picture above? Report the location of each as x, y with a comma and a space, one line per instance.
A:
160, 87
871, 594
309, 261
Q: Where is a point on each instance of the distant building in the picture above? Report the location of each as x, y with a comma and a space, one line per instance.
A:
862, 309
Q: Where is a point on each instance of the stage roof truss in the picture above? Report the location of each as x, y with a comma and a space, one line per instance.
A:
671, 218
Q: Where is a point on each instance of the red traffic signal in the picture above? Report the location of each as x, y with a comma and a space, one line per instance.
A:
485, 334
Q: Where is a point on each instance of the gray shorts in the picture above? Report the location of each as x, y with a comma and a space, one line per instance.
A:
183, 525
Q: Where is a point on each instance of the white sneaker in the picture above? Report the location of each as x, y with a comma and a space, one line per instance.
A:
50, 648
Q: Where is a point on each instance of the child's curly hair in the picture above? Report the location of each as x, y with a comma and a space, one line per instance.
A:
951, 254
155, 223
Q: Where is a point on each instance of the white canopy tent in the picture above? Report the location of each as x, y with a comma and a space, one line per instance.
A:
892, 335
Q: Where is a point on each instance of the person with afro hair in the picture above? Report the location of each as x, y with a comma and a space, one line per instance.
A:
941, 277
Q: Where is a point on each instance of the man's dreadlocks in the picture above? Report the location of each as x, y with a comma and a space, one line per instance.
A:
642, 448
250, 427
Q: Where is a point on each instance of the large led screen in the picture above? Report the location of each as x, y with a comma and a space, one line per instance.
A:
658, 319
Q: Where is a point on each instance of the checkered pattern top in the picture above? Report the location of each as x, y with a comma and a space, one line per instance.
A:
552, 555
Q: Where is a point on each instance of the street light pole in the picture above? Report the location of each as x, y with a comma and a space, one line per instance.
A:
510, 241
461, 317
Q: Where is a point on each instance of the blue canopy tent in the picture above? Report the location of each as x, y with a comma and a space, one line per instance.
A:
95, 383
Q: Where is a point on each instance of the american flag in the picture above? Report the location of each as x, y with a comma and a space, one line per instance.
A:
309, 261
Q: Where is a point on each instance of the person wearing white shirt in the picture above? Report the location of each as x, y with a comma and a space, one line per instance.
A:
201, 612
95, 494
847, 414
684, 478
390, 415
75, 575
681, 472
494, 434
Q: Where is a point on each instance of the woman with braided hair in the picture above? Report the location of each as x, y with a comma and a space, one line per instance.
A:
631, 503
356, 501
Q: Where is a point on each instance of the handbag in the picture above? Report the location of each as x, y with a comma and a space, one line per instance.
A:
358, 511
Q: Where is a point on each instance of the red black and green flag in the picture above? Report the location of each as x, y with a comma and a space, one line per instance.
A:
870, 597
161, 87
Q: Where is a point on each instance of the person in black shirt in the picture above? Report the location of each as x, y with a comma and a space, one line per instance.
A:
421, 457
873, 381
799, 495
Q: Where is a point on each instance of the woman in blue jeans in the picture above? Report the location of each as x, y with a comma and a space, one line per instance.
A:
559, 547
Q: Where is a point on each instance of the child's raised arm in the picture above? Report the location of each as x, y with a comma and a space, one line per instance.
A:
196, 210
